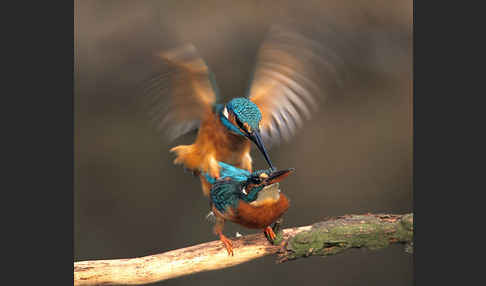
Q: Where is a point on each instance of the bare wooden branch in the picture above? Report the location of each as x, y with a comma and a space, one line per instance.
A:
329, 237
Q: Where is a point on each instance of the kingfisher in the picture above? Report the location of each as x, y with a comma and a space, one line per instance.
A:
252, 200
185, 98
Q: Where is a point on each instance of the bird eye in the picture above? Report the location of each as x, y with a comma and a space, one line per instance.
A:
255, 180
242, 127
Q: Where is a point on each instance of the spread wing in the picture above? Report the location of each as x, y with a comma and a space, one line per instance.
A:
182, 94
287, 82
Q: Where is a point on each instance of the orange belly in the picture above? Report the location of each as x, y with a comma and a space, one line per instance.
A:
259, 217
214, 143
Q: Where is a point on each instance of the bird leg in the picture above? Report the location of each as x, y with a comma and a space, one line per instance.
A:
212, 166
227, 244
269, 234
218, 230
277, 224
270, 231
246, 162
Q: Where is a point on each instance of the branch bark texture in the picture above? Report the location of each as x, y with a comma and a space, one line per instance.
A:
329, 237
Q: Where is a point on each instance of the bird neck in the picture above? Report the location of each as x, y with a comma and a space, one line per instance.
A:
226, 123
268, 195
252, 195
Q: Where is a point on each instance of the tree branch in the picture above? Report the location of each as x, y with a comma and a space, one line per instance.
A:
330, 237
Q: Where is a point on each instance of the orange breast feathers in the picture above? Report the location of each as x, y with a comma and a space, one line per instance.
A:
214, 143
261, 215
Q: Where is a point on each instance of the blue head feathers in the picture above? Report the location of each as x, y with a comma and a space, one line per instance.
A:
245, 111
236, 184
227, 191
241, 116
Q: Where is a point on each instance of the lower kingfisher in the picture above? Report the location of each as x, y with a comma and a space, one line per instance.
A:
252, 200
186, 98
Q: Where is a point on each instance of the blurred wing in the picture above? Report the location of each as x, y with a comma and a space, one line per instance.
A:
182, 94
286, 82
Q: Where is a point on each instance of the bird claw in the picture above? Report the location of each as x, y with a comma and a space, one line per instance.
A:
227, 244
269, 234
277, 224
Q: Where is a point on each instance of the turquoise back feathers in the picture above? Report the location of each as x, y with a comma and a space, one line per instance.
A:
225, 194
229, 171
227, 191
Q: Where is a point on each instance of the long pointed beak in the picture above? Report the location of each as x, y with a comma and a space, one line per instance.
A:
257, 139
277, 176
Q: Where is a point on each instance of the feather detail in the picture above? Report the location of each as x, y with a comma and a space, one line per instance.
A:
285, 83
182, 94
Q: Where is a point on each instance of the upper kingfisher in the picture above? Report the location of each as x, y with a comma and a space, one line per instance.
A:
252, 200
186, 98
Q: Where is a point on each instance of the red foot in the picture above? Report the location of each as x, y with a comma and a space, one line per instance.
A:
269, 233
227, 243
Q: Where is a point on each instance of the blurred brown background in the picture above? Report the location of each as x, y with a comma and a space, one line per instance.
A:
355, 156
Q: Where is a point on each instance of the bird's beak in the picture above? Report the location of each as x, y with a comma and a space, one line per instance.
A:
277, 176
257, 139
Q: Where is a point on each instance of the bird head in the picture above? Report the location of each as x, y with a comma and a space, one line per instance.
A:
242, 117
260, 179
238, 184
